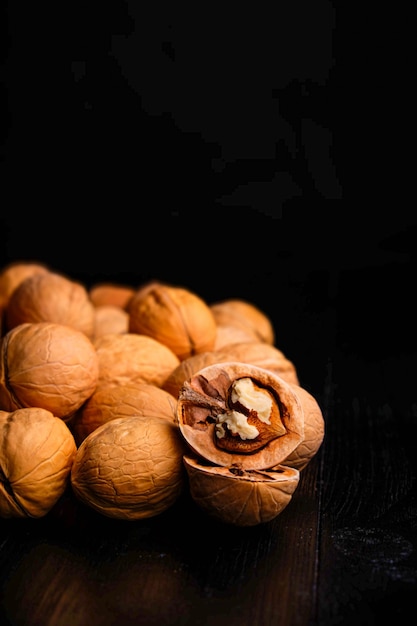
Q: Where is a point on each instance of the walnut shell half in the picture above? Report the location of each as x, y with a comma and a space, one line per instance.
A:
240, 497
241, 415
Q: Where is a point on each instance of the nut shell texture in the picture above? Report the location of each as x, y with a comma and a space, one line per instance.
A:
109, 402
47, 365
206, 396
314, 429
175, 316
246, 316
51, 297
240, 498
130, 468
36, 454
126, 358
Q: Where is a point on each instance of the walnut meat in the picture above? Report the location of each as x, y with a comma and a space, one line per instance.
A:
36, 456
130, 468
235, 414
110, 402
240, 497
51, 297
174, 316
47, 365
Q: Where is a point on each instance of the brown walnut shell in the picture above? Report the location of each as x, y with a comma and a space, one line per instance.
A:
207, 399
254, 353
36, 457
110, 402
130, 358
111, 294
314, 430
47, 365
174, 316
51, 297
227, 335
246, 316
110, 319
130, 468
13, 274
240, 497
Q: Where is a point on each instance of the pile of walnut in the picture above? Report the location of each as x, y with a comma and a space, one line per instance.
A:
128, 396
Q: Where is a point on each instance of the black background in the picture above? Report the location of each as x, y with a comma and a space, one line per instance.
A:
252, 154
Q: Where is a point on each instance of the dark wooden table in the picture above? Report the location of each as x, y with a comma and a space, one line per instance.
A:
342, 552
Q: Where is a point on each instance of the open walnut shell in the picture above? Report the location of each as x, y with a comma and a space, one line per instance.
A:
240, 497
240, 415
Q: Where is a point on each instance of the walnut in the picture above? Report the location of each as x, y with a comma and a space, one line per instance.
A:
36, 458
245, 316
51, 297
47, 365
130, 468
314, 429
131, 358
109, 318
249, 434
110, 402
112, 294
10, 278
13, 274
174, 316
254, 353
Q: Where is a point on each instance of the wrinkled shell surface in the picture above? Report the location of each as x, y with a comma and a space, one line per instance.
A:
131, 358
109, 402
36, 455
174, 316
263, 355
12, 275
205, 396
314, 429
240, 498
188, 367
47, 365
51, 297
227, 335
254, 353
130, 468
110, 319
244, 315
111, 294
